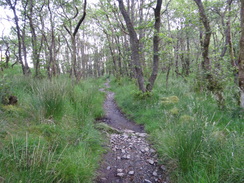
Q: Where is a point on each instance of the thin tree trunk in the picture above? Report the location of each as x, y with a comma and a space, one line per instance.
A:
156, 40
205, 44
134, 42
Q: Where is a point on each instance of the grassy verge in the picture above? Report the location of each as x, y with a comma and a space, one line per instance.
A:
199, 142
49, 136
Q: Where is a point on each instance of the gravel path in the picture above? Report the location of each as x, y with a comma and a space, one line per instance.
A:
130, 157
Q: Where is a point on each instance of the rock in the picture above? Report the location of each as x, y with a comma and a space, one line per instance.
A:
150, 161
155, 173
125, 136
108, 168
119, 170
120, 174
146, 149
113, 149
123, 151
107, 128
147, 181
126, 157
152, 151
129, 131
141, 134
118, 158
163, 167
103, 179
131, 172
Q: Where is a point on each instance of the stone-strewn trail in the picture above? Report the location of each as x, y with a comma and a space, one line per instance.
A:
130, 157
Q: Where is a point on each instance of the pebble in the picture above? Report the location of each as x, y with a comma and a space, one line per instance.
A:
133, 154
147, 181
150, 161
119, 170
120, 174
146, 149
163, 167
125, 136
141, 134
129, 131
155, 173
126, 157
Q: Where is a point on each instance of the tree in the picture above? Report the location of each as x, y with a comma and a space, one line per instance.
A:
241, 58
36, 48
157, 14
20, 35
206, 40
136, 47
73, 39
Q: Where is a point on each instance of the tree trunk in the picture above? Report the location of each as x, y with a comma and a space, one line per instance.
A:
18, 31
241, 58
156, 40
205, 44
35, 50
134, 43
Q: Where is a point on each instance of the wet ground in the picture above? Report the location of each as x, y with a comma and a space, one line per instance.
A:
130, 158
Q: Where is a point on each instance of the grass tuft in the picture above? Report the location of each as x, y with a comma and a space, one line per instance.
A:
198, 141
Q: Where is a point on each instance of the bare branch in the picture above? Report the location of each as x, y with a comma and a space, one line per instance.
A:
81, 20
166, 9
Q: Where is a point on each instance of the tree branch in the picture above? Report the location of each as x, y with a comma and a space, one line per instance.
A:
166, 9
81, 20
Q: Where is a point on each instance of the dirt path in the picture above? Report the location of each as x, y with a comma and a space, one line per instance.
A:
130, 157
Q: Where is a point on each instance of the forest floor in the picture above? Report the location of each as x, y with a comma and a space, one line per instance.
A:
130, 157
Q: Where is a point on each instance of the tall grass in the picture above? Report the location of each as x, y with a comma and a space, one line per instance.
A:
198, 141
49, 136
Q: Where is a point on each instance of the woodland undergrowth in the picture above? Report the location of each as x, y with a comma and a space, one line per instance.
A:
49, 135
197, 140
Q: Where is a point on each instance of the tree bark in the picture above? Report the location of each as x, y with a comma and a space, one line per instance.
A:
206, 41
12, 5
134, 43
35, 50
241, 58
154, 74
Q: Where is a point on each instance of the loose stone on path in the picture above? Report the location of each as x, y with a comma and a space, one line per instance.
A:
130, 158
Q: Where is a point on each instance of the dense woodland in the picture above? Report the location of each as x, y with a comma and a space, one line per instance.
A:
156, 53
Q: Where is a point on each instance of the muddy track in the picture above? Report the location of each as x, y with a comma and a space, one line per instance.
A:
130, 158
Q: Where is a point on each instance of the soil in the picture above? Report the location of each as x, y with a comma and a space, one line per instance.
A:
130, 157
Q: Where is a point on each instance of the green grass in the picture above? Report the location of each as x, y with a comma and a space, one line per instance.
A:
199, 142
49, 136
